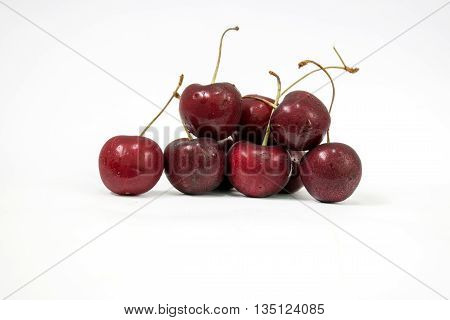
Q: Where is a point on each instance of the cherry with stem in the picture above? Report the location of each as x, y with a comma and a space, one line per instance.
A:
212, 110
132, 165
330, 172
304, 63
259, 170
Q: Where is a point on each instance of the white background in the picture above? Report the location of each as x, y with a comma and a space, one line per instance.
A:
57, 110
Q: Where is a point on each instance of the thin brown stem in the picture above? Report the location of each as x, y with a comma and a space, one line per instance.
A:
343, 67
219, 56
307, 75
278, 87
346, 68
174, 95
304, 63
266, 136
249, 96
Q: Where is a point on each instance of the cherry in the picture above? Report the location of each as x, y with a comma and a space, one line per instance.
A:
331, 172
295, 181
256, 111
259, 170
131, 165
301, 120
194, 166
212, 110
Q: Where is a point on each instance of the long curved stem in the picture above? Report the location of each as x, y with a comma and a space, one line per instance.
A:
220, 52
174, 95
304, 63
307, 75
266, 136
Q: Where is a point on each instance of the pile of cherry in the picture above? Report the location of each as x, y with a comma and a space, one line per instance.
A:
258, 145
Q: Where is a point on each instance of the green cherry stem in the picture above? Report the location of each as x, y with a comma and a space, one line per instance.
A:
220, 52
174, 95
304, 63
266, 136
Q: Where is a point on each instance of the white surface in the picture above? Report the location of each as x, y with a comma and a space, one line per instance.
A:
57, 110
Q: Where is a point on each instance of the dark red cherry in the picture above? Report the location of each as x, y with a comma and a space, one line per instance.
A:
194, 166
295, 181
258, 171
300, 122
212, 111
130, 165
331, 172
255, 117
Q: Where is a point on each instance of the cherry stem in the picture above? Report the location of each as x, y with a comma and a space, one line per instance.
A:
220, 52
278, 87
174, 95
266, 136
187, 132
346, 68
304, 63
249, 96
343, 67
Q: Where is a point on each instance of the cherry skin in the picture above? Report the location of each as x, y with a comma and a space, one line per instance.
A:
194, 166
331, 172
300, 122
211, 111
258, 171
130, 165
255, 117
225, 145
295, 182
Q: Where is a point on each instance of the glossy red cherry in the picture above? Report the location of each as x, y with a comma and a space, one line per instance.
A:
295, 181
301, 121
194, 166
255, 117
212, 110
130, 165
331, 172
258, 171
